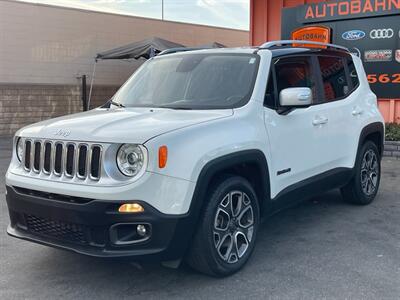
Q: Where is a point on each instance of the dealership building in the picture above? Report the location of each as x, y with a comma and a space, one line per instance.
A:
369, 28
46, 51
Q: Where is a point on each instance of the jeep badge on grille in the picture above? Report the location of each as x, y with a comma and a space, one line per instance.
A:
62, 132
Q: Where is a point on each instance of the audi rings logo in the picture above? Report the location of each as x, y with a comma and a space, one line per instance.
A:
381, 33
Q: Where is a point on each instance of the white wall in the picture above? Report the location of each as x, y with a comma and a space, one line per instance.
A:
53, 45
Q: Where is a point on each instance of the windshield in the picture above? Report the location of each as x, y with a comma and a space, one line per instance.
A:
191, 81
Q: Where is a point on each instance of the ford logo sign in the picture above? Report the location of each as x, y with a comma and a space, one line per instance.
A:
353, 35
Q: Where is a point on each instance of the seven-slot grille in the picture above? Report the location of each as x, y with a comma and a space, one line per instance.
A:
69, 159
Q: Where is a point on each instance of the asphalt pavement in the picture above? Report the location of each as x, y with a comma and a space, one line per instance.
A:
321, 249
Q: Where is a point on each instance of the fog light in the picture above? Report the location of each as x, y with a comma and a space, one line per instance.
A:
129, 233
131, 208
141, 230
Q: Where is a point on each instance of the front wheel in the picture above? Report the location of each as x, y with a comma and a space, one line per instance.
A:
227, 228
362, 189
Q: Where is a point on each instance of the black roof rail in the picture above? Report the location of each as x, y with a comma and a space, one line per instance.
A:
181, 49
283, 43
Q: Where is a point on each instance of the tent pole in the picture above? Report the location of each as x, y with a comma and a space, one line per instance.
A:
162, 10
91, 84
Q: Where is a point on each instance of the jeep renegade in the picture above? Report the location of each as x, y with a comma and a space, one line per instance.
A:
194, 150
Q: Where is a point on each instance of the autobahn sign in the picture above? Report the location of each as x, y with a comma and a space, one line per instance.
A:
369, 28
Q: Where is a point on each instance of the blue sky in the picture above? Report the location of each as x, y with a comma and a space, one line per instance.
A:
224, 13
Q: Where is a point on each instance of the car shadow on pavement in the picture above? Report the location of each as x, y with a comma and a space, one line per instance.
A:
279, 236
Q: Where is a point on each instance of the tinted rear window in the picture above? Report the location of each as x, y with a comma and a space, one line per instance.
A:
334, 79
353, 72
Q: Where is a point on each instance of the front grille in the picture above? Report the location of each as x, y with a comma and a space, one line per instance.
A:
27, 154
66, 231
37, 158
94, 168
58, 159
69, 159
47, 158
82, 157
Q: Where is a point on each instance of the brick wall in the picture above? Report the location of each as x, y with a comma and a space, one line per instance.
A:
23, 104
101, 94
392, 149
55, 45
44, 51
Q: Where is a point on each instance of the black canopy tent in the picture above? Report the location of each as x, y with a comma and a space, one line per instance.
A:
142, 49
213, 45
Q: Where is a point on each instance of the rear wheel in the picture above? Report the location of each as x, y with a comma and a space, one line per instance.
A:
362, 189
227, 229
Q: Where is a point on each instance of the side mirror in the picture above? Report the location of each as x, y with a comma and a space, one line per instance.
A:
295, 97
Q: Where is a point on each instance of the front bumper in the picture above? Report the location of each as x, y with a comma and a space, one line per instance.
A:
84, 225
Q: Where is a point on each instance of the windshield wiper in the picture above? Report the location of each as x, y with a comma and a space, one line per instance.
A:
175, 107
120, 105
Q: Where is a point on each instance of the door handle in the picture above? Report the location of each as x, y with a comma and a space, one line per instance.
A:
357, 111
319, 121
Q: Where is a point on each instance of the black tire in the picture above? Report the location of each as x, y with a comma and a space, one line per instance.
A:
357, 191
206, 253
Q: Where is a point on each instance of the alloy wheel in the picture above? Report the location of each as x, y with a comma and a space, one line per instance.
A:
233, 226
369, 173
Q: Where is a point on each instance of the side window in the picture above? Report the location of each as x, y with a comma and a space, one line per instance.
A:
353, 72
269, 100
334, 79
295, 72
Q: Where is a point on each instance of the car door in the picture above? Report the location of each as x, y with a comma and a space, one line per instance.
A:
299, 138
339, 81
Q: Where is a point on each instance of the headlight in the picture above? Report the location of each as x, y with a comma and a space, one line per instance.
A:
19, 149
131, 159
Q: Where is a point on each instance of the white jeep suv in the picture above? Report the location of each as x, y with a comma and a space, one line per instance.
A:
194, 150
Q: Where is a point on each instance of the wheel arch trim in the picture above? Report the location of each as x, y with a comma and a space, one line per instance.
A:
376, 127
213, 167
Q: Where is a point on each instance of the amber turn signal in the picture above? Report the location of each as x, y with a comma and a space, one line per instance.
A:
162, 156
131, 208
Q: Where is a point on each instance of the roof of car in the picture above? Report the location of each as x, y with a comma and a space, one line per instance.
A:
248, 50
303, 50
276, 51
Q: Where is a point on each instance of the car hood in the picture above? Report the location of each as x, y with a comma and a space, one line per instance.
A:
129, 125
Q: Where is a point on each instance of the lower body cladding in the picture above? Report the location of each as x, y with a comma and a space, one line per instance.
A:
95, 227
